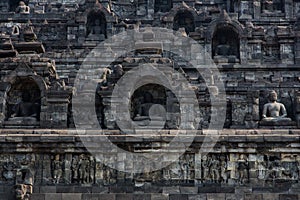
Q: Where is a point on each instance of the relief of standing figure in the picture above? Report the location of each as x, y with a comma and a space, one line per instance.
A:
215, 168
84, 166
206, 164
243, 169
57, 169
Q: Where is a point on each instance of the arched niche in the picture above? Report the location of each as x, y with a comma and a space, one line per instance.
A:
23, 101
272, 6
144, 106
226, 43
163, 5
13, 4
96, 25
184, 19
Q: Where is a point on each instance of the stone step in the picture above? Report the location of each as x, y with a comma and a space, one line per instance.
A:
160, 196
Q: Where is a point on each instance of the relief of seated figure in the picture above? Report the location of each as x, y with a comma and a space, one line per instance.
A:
25, 108
97, 31
224, 51
149, 111
144, 107
22, 8
271, 7
274, 111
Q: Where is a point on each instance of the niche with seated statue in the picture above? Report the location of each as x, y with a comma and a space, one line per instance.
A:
13, 4
22, 7
163, 5
226, 45
184, 19
156, 106
23, 103
96, 26
272, 6
276, 110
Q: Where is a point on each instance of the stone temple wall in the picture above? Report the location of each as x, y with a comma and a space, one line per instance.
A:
57, 57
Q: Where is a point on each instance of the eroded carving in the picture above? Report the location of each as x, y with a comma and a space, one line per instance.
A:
23, 8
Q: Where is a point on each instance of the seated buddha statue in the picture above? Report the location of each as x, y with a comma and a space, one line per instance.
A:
22, 8
274, 111
224, 51
223, 48
26, 108
97, 31
144, 107
148, 111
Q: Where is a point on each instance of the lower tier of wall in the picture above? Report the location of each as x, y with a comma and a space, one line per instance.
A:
66, 164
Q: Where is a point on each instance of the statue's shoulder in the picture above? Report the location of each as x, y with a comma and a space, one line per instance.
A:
281, 104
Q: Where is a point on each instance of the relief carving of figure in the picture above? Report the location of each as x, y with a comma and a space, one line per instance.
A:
184, 171
57, 169
26, 171
22, 8
9, 172
84, 169
224, 169
206, 165
99, 173
275, 169
243, 167
215, 168
261, 170
92, 169
107, 175
117, 71
75, 167
22, 191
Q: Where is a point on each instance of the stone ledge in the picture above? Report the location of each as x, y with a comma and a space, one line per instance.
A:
70, 136
152, 196
161, 132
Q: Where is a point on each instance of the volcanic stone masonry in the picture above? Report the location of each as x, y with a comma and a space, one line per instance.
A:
255, 45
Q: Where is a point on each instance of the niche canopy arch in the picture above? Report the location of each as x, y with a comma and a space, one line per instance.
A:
228, 37
96, 25
23, 100
184, 19
163, 5
225, 41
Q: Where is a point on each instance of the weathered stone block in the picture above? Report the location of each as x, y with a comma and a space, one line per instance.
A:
178, 197
73, 196
53, 196
288, 196
253, 197
38, 197
107, 196
48, 189
141, 196
219, 196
